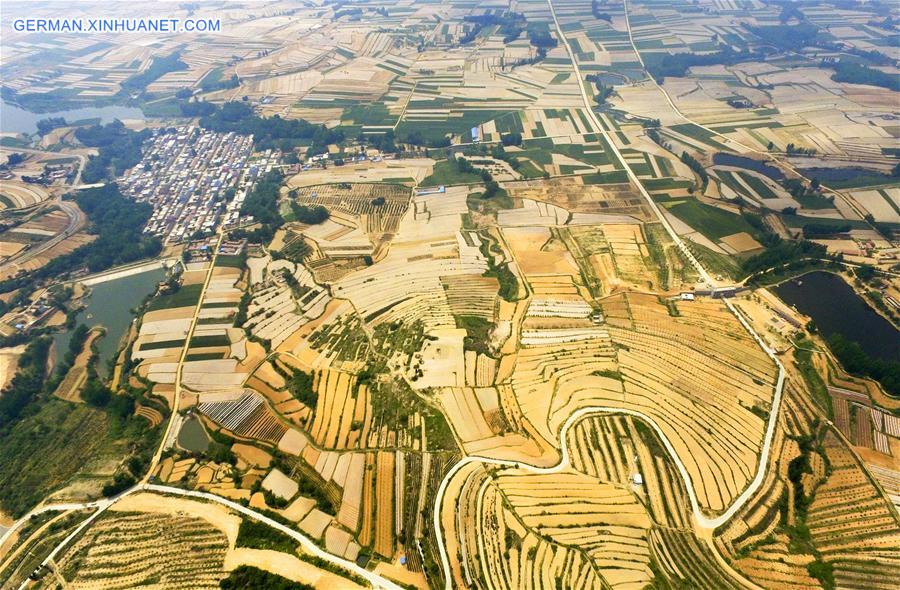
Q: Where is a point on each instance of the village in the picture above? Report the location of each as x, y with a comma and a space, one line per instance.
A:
195, 179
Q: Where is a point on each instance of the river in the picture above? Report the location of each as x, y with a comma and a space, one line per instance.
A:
14, 119
109, 305
837, 309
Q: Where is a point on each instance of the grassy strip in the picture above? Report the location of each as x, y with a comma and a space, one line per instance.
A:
185, 296
162, 344
210, 340
804, 364
258, 535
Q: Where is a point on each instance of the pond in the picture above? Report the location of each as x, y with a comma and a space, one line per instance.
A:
14, 119
724, 159
611, 78
837, 309
109, 305
851, 177
192, 436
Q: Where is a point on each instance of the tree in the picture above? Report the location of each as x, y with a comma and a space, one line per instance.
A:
511, 139
309, 214
27, 382
45, 126
95, 393
542, 39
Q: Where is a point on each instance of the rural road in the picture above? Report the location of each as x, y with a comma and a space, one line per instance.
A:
76, 217
701, 518
176, 399
102, 505
76, 221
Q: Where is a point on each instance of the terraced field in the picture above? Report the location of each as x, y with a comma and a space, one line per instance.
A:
186, 553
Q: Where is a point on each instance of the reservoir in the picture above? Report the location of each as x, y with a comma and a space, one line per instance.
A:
837, 309
15, 119
109, 305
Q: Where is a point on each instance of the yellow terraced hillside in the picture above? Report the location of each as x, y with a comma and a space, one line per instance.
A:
604, 520
513, 556
699, 375
621, 505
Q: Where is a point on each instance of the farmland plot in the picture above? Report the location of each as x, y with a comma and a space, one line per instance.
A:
187, 552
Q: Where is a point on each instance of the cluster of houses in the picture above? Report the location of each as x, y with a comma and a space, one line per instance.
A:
195, 179
26, 319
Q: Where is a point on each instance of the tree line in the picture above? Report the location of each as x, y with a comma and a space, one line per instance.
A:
855, 360
269, 132
158, 68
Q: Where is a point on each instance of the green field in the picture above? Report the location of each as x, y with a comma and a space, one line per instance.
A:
445, 172
375, 115
162, 344
758, 186
729, 180
204, 356
231, 261
799, 221
460, 123
528, 169
700, 134
187, 295
214, 340
664, 184
215, 304
712, 222
616, 177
